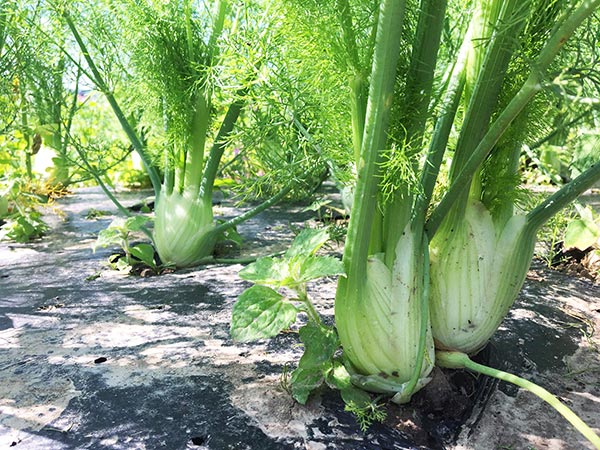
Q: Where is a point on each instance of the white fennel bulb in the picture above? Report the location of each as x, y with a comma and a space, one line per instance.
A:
183, 228
477, 271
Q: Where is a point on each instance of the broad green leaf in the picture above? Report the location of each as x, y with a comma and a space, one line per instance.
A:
117, 224
233, 235
107, 237
320, 343
585, 212
267, 270
319, 346
581, 234
145, 253
135, 223
308, 242
260, 313
339, 376
315, 206
122, 265
304, 381
320, 266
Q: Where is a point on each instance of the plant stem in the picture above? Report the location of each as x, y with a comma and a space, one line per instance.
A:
242, 260
412, 121
358, 82
561, 198
441, 133
383, 76
26, 134
216, 152
313, 315
456, 360
101, 84
252, 212
194, 147
531, 87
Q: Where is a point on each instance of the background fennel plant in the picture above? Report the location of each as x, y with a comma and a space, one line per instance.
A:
192, 84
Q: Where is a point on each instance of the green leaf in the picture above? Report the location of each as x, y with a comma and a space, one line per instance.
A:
339, 377
135, 223
320, 266
267, 270
320, 343
145, 253
3, 206
107, 237
308, 242
581, 234
122, 265
260, 313
304, 381
315, 206
233, 235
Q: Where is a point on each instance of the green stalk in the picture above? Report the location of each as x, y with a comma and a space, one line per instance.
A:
419, 79
195, 159
3, 16
169, 182
25, 131
358, 82
310, 310
60, 171
563, 197
252, 212
129, 131
358, 106
217, 28
194, 148
531, 87
456, 360
73, 108
242, 260
385, 58
187, 11
216, 152
345, 15
415, 106
499, 22
441, 133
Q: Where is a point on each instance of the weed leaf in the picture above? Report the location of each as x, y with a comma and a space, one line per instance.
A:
260, 313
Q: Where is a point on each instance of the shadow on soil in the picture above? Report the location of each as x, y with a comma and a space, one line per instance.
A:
93, 359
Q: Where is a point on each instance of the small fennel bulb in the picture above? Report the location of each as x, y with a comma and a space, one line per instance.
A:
183, 228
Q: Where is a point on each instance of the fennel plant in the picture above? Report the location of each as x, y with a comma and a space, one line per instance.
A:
481, 247
191, 82
470, 85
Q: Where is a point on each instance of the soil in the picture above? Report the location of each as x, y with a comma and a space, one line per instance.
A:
92, 358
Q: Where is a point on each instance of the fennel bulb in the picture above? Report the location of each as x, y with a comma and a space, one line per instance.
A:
183, 228
379, 327
477, 271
